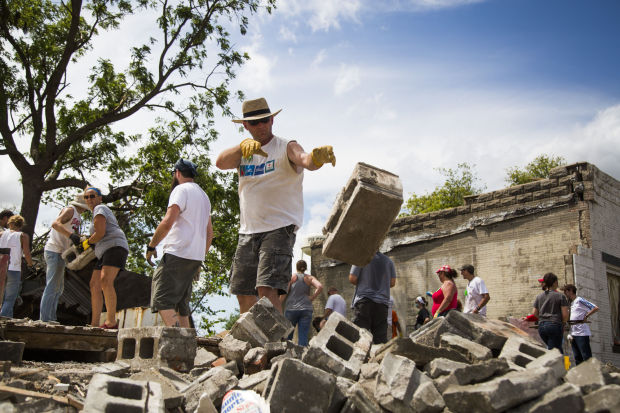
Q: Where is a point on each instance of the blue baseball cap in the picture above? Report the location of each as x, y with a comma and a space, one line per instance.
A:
184, 165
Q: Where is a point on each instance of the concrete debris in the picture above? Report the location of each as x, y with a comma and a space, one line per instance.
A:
445, 368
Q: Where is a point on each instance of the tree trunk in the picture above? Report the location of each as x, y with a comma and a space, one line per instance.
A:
31, 198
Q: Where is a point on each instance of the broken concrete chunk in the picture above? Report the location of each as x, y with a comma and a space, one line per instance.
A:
470, 374
255, 360
171, 395
604, 400
234, 350
430, 333
588, 375
254, 382
205, 405
294, 386
426, 397
359, 401
566, 398
419, 353
552, 359
474, 352
215, 386
501, 393
442, 367
107, 393
340, 347
339, 397
362, 214
203, 358
397, 380
262, 324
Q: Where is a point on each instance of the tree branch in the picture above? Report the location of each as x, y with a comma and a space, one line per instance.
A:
63, 183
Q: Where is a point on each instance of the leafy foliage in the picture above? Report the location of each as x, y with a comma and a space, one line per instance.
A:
58, 128
459, 183
539, 168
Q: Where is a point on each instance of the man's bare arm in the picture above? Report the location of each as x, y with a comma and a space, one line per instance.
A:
299, 157
229, 158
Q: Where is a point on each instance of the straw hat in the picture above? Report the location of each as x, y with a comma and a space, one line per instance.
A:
78, 201
255, 109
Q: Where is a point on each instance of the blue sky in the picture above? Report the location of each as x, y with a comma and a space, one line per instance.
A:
414, 85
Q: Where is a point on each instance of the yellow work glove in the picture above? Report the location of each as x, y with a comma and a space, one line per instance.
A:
323, 154
85, 245
250, 147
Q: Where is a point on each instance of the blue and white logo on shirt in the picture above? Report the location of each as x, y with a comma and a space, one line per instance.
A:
255, 170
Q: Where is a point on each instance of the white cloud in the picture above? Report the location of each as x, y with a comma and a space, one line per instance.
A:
323, 14
349, 77
287, 34
320, 57
255, 76
422, 5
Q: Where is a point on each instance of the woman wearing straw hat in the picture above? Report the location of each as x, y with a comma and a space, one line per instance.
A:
271, 204
65, 230
111, 250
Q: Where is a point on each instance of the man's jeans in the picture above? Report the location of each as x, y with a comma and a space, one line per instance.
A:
581, 348
54, 285
551, 334
11, 291
302, 318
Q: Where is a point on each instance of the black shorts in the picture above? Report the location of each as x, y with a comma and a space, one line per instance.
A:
171, 288
113, 257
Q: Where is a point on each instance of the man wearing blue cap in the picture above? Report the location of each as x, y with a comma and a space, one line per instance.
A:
271, 204
186, 233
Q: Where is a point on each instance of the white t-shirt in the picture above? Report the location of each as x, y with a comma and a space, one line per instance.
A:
270, 190
58, 242
188, 236
389, 317
475, 289
13, 240
336, 303
578, 310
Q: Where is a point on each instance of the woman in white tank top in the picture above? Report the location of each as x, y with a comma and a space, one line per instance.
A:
18, 243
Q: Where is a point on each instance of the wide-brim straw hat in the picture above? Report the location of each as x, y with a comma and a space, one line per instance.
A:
255, 109
78, 201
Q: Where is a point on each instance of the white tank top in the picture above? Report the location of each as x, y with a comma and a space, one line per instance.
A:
12, 239
58, 242
270, 190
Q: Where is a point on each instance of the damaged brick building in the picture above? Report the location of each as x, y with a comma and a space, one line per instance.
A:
568, 224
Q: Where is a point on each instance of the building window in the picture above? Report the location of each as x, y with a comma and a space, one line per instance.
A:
613, 284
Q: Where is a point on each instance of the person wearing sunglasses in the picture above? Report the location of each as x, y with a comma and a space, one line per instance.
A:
271, 204
111, 250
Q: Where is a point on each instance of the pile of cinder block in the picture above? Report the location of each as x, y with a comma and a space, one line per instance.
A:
458, 363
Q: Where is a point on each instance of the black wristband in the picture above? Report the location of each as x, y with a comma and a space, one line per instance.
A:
149, 248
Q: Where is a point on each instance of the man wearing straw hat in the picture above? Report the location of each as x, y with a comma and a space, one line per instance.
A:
271, 204
65, 230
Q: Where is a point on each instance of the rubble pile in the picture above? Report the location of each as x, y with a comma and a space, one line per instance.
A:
460, 363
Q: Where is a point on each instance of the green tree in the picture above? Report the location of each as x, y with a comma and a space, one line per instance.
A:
459, 183
59, 136
539, 168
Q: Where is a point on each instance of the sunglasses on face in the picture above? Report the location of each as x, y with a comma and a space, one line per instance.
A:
91, 196
257, 121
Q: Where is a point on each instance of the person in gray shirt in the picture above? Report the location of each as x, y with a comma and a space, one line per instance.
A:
551, 308
111, 250
372, 295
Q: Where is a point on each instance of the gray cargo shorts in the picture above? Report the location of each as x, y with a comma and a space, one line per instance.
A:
264, 259
171, 287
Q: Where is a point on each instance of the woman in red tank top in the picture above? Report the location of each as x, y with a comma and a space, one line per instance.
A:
446, 297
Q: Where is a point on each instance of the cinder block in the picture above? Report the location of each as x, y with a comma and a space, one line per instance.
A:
111, 394
262, 324
340, 347
12, 351
233, 349
417, 352
116, 369
204, 358
295, 386
519, 353
605, 399
145, 347
170, 393
470, 374
362, 215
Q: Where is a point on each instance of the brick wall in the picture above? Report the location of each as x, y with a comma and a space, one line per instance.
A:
512, 237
